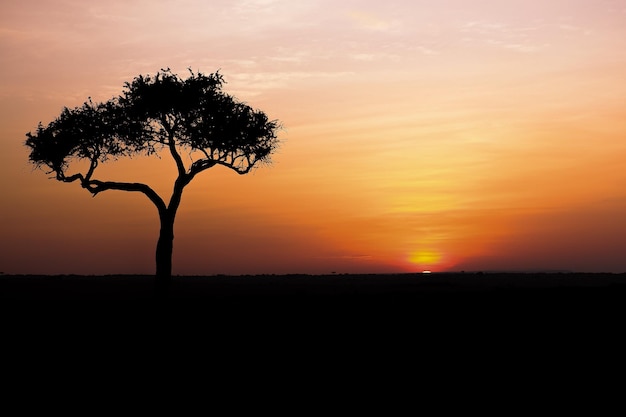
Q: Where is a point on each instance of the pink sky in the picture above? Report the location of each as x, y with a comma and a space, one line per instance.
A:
441, 135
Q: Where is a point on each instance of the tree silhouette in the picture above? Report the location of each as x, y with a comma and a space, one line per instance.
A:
154, 115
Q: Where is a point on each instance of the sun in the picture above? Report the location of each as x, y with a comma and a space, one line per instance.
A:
427, 258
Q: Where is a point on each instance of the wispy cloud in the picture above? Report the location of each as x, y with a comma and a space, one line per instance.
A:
254, 83
503, 35
371, 21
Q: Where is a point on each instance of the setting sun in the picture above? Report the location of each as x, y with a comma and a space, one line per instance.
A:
425, 258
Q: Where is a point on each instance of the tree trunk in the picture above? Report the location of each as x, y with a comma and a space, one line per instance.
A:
164, 249
165, 244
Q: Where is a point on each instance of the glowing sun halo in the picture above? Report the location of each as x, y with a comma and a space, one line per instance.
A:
425, 257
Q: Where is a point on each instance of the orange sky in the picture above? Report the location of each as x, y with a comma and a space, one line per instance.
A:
442, 135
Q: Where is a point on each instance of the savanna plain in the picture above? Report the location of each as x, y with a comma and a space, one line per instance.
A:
363, 329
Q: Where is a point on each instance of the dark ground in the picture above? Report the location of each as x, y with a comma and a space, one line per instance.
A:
467, 340
407, 288
363, 300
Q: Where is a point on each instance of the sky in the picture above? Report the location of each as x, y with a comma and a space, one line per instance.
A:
417, 135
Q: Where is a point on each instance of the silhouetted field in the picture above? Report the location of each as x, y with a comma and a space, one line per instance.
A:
469, 306
338, 287
365, 328
400, 296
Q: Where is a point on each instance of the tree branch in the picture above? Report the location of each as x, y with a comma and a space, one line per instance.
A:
231, 165
60, 176
199, 166
177, 158
92, 167
96, 186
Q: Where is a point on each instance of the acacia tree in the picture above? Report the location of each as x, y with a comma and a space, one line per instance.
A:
160, 114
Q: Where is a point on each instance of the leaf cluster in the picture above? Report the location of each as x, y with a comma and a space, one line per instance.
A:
154, 113
86, 132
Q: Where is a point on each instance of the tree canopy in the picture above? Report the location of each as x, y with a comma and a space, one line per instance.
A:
154, 115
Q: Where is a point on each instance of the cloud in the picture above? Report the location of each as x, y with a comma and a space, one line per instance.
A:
519, 47
371, 21
254, 83
426, 51
501, 35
